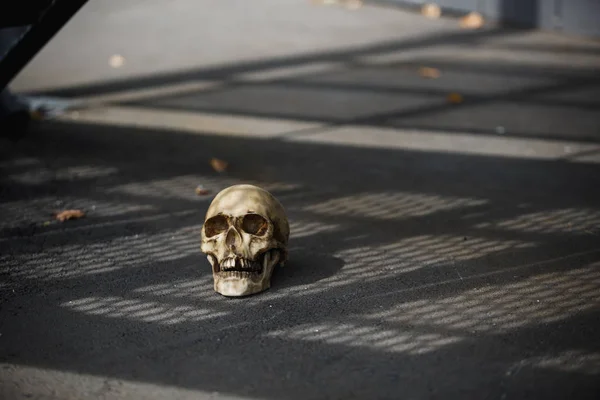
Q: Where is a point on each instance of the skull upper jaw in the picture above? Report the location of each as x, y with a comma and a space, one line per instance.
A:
244, 283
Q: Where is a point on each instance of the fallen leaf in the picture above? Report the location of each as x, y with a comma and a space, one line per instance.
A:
324, 2
69, 214
37, 115
473, 20
430, 73
455, 98
353, 4
46, 223
201, 190
432, 11
218, 165
116, 61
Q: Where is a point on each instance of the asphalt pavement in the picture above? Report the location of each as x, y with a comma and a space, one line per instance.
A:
445, 222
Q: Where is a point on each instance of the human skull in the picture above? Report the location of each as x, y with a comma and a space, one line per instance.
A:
245, 234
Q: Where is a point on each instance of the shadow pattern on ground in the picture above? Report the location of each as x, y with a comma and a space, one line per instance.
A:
411, 274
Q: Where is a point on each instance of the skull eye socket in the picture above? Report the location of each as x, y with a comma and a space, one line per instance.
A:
215, 225
254, 224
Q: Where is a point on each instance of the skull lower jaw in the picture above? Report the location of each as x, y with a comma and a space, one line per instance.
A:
237, 287
243, 283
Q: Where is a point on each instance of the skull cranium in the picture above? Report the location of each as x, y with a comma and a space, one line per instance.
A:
245, 234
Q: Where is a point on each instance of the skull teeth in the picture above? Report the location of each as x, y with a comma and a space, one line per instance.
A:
240, 265
229, 263
234, 266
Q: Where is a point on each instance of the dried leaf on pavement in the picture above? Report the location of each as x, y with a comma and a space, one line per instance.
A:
353, 4
324, 2
201, 190
37, 115
455, 98
116, 61
218, 165
430, 73
472, 20
69, 214
431, 10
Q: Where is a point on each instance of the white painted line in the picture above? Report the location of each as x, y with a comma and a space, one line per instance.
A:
360, 136
458, 143
148, 93
189, 122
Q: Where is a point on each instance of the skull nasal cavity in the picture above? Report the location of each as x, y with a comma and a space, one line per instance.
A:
231, 238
